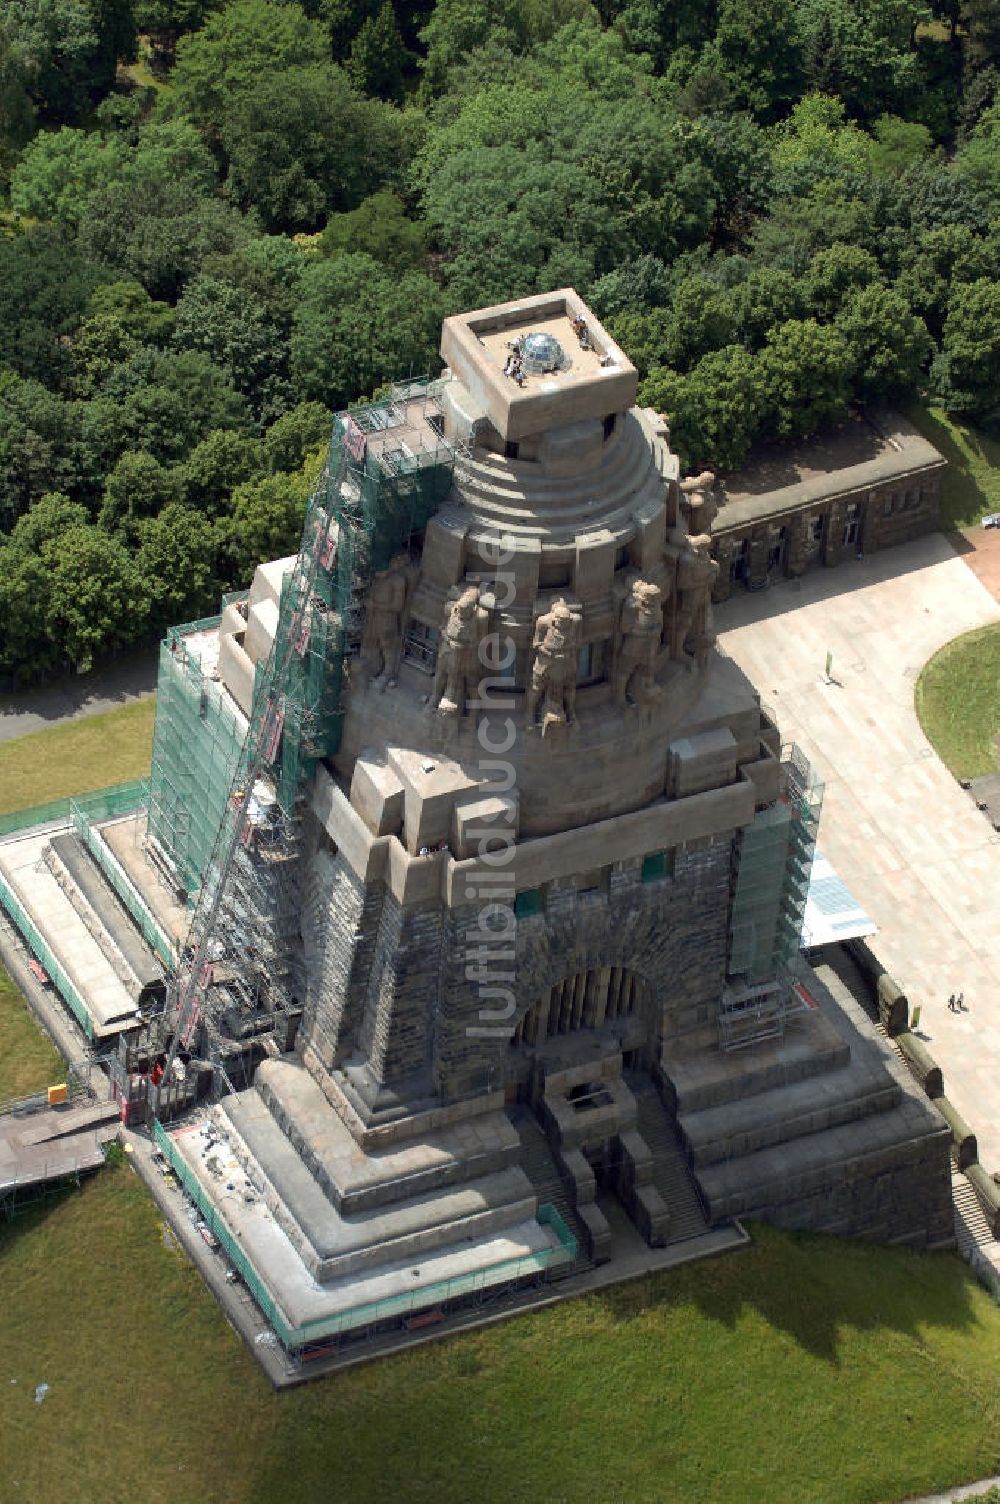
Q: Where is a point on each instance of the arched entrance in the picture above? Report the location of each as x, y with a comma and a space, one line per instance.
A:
586, 1000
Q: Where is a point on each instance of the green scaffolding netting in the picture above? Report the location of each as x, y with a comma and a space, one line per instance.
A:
772, 880
387, 472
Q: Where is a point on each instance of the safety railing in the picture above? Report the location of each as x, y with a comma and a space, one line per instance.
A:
102, 804
31, 934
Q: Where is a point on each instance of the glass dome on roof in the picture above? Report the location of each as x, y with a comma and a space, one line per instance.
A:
542, 352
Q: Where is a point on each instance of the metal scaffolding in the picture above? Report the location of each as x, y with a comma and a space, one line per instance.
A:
773, 863
225, 806
196, 745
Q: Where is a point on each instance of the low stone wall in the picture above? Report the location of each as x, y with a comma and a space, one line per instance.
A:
893, 1008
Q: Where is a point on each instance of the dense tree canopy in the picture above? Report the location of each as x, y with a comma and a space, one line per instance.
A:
780, 207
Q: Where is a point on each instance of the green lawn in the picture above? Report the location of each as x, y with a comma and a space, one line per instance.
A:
29, 1061
139, 74
800, 1371
958, 702
970, 486
77, 756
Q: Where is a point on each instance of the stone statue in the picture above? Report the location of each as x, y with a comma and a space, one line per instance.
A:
459, 670
696, 572
637, 644
700, 501
382, 638
556, 647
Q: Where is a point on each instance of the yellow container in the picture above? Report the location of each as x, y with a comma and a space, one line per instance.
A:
58, 1094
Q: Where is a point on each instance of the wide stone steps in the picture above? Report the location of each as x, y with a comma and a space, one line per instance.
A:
117, 922
523, 496
356, 1182
624, 467
92, 921
704, 1077
108, 1001
332, 1245
815, 1105
804, 1166
671, 1175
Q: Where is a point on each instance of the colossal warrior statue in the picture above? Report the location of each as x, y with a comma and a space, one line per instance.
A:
638, 644
556, 646
700, 501
459, 669
383, 634
696, 572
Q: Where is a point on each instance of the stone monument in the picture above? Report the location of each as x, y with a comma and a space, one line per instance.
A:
551, 889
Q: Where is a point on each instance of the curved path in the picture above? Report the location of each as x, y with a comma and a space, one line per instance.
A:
906, 839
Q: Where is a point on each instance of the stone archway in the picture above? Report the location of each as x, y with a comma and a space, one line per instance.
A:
585, 1000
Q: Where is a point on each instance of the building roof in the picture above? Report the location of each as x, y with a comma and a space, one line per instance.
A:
565, 378
863, 452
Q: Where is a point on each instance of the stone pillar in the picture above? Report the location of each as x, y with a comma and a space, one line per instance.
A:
402, 995
339, 923
757, 564
797, 553
870, 522
833, 550
722, 552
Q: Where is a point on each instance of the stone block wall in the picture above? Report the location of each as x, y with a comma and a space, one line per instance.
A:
390, 986
894, 511
901, 1195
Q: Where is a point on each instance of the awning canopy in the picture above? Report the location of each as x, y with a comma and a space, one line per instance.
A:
832, 913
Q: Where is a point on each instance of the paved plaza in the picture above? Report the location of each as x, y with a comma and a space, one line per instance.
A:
903, 835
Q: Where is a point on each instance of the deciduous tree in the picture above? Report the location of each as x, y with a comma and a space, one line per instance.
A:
714, 411
805, 370
358, 326
889, 344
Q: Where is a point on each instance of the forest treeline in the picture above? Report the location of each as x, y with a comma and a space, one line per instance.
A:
223, 221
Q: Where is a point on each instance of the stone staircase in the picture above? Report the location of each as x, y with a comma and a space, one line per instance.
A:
671, 1175
106, 920
973, 1238
332, 1244
821, 1129
539, 1165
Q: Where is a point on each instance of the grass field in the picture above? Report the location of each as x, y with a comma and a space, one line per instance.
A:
970, 487
958, 702
77, 756
802, 1370
29, 1061
140, 74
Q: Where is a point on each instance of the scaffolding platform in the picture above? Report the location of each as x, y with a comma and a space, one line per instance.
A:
48, 1146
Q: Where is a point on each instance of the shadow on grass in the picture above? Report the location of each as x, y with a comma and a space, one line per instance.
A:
810, 1287
28, 1215
964, 498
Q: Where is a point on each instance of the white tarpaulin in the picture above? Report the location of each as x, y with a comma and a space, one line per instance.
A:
832, 913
